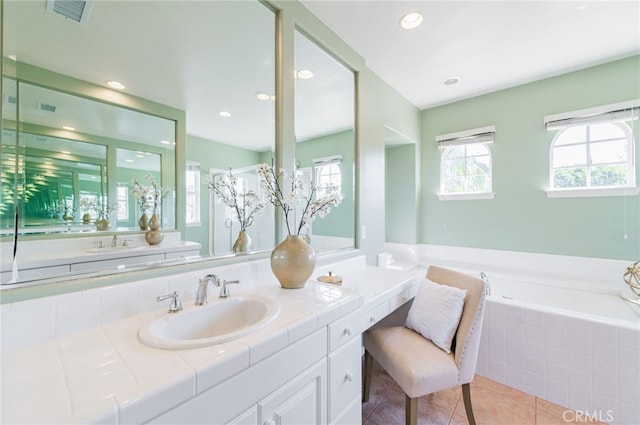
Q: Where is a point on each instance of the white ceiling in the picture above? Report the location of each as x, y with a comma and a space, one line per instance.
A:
489, 45
208, 56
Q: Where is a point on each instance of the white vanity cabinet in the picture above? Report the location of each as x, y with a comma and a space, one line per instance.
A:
301, 401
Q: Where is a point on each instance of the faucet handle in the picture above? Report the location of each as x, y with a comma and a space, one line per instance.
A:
99, 243
224, 291
175, 305
126, 242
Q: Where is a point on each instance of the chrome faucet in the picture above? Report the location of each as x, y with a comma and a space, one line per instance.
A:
201, 293
114, 241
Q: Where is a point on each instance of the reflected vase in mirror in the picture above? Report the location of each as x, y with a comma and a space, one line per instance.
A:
143, 222
242, 245
293, 261
102, 224
154, 235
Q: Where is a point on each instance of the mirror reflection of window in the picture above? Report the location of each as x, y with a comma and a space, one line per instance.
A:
328, 175
193, 193
122, 202
136, 164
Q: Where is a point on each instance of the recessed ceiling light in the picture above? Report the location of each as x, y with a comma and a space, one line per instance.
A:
115, 85
411, 20
225, 114
13, 57
139, 155
305, 74
263, 96
128, 160
165, 142
65, 152
451, 81
67, 127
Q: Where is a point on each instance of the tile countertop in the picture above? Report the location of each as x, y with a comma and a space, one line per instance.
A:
104, 374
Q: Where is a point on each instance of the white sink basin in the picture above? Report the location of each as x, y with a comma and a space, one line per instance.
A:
223, 319
106, 249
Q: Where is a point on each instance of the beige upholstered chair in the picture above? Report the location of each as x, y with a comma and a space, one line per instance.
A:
417, 365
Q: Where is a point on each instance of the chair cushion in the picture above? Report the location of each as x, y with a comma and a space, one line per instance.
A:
436, 312
415, 363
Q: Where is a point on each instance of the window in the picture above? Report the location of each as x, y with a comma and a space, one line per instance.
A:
465, 165
122, 202
593, 152
327, 172
193, 193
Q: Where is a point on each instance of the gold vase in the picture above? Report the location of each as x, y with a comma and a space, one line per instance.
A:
102, 224
293, 261
143, 222
242, 243
86, 218
154, 235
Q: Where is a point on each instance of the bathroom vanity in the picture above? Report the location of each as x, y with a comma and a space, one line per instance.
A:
50, 258
77, 358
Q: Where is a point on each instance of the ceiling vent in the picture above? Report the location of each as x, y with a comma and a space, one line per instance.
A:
47, 107
10, 100
76, 10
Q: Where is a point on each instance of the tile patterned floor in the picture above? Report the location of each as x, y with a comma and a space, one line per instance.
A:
493, 404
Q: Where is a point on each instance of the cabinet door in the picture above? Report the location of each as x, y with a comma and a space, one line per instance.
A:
300, 401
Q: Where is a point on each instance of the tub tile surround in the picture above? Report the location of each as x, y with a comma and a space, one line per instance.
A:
76, 358
582, 361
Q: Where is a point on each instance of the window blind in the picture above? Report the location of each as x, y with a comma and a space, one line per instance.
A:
334, 159
616, 112
476, 135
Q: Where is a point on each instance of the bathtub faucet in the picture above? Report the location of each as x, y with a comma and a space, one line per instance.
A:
485, 279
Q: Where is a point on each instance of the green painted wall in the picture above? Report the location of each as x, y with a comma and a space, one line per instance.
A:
341, 221
210, 154
521, 217
400, 194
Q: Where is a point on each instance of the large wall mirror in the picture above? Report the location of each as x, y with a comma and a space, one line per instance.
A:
57, 160
212, 61
325, 137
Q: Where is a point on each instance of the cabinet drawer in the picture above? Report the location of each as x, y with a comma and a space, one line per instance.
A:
345, 377
344, 329
374, 315
402, 298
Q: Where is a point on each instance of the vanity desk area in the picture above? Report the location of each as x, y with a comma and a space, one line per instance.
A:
78, 358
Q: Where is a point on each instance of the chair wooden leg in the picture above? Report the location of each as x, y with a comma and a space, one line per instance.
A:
366, 375
466, 397
410, 410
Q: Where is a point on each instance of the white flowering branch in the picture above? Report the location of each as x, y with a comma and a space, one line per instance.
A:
288, 201
246, 206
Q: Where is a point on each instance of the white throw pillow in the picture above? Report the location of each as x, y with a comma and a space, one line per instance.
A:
436, 312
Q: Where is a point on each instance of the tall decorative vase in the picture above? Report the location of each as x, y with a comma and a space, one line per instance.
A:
143, 222
86, 218
154, 235
242, 243
293, 261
